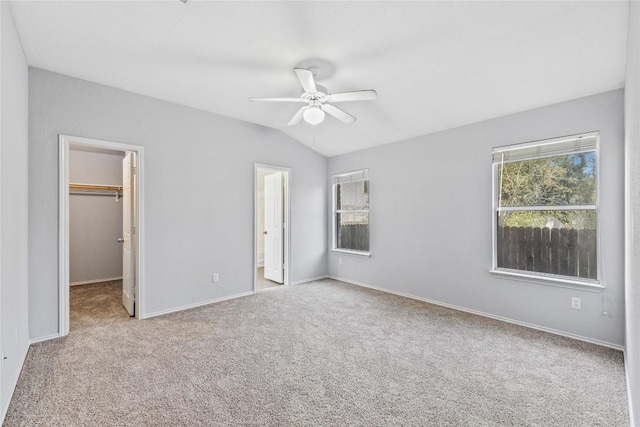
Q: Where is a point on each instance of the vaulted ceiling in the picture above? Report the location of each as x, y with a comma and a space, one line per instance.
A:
435, 65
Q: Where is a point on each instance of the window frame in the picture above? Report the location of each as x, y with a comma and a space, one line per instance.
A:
539, 277
336, 211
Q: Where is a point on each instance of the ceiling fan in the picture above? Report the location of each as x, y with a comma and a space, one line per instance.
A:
319, 101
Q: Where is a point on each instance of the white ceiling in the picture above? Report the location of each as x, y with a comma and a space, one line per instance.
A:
435, 65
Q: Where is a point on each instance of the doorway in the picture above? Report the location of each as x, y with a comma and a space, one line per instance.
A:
271, 226
103, 247
96, 208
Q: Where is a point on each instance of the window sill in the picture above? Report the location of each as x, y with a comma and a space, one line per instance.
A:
549, 280
356, 253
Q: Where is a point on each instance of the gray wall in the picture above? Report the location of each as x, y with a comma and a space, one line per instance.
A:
632, 155
431, 216
198, 197
95, 222
14, 339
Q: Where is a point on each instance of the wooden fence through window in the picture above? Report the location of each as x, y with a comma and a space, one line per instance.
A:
354, 237
562, 251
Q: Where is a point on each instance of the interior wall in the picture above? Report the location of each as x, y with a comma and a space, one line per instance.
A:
95, 222
431, 220
198, 195
632, 184
14, 339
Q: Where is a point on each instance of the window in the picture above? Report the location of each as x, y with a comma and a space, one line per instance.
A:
546, 197
351, 211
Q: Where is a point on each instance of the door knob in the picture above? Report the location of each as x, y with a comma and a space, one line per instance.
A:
120, 240
264, 232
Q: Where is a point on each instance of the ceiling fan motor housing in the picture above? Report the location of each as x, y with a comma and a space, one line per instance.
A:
319, 95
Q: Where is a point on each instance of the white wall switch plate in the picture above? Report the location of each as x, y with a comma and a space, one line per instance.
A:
576, 303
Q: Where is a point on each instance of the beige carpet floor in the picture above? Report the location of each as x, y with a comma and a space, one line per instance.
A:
322, 353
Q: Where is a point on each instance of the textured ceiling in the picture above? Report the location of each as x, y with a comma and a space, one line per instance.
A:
435, 65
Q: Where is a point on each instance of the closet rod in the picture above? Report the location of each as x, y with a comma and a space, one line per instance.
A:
98, 187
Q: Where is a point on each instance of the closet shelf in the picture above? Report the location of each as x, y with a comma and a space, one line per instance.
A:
96, 187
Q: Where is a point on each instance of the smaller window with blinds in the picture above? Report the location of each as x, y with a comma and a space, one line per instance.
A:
546, 216
351, 212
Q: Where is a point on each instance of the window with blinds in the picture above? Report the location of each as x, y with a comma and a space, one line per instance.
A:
546, 199
351, 211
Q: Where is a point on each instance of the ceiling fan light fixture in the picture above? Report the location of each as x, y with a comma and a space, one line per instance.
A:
313, 115
319, 101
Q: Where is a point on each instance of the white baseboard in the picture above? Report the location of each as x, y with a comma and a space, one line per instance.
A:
197, 304
311, 279
5, 405
483, 314
45, 338
86, 282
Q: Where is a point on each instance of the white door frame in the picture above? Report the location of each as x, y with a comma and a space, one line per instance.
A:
65, 141
286, 174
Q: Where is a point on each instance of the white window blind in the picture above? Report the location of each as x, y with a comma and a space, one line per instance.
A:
359, 175
546, 148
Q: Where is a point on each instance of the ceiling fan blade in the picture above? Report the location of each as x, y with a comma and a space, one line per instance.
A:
338, 113
356, 95
297, 116
275, 100
306, 80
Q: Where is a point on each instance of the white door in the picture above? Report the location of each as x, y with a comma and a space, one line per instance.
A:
273, 241
128, 253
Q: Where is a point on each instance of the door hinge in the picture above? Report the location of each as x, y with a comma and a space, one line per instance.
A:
133, 230
133, 170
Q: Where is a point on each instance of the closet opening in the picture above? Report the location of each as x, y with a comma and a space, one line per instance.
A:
100, 232
271, 226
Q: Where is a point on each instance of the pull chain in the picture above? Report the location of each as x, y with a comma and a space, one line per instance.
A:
313, 133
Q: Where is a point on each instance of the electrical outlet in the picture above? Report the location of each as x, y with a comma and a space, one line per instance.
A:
339, 261
576, 303
215, 278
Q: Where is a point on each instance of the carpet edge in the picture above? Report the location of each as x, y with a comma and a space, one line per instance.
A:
195, 305
5, 405
483, 314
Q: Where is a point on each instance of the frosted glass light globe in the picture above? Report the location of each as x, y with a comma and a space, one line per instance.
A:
313, 115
